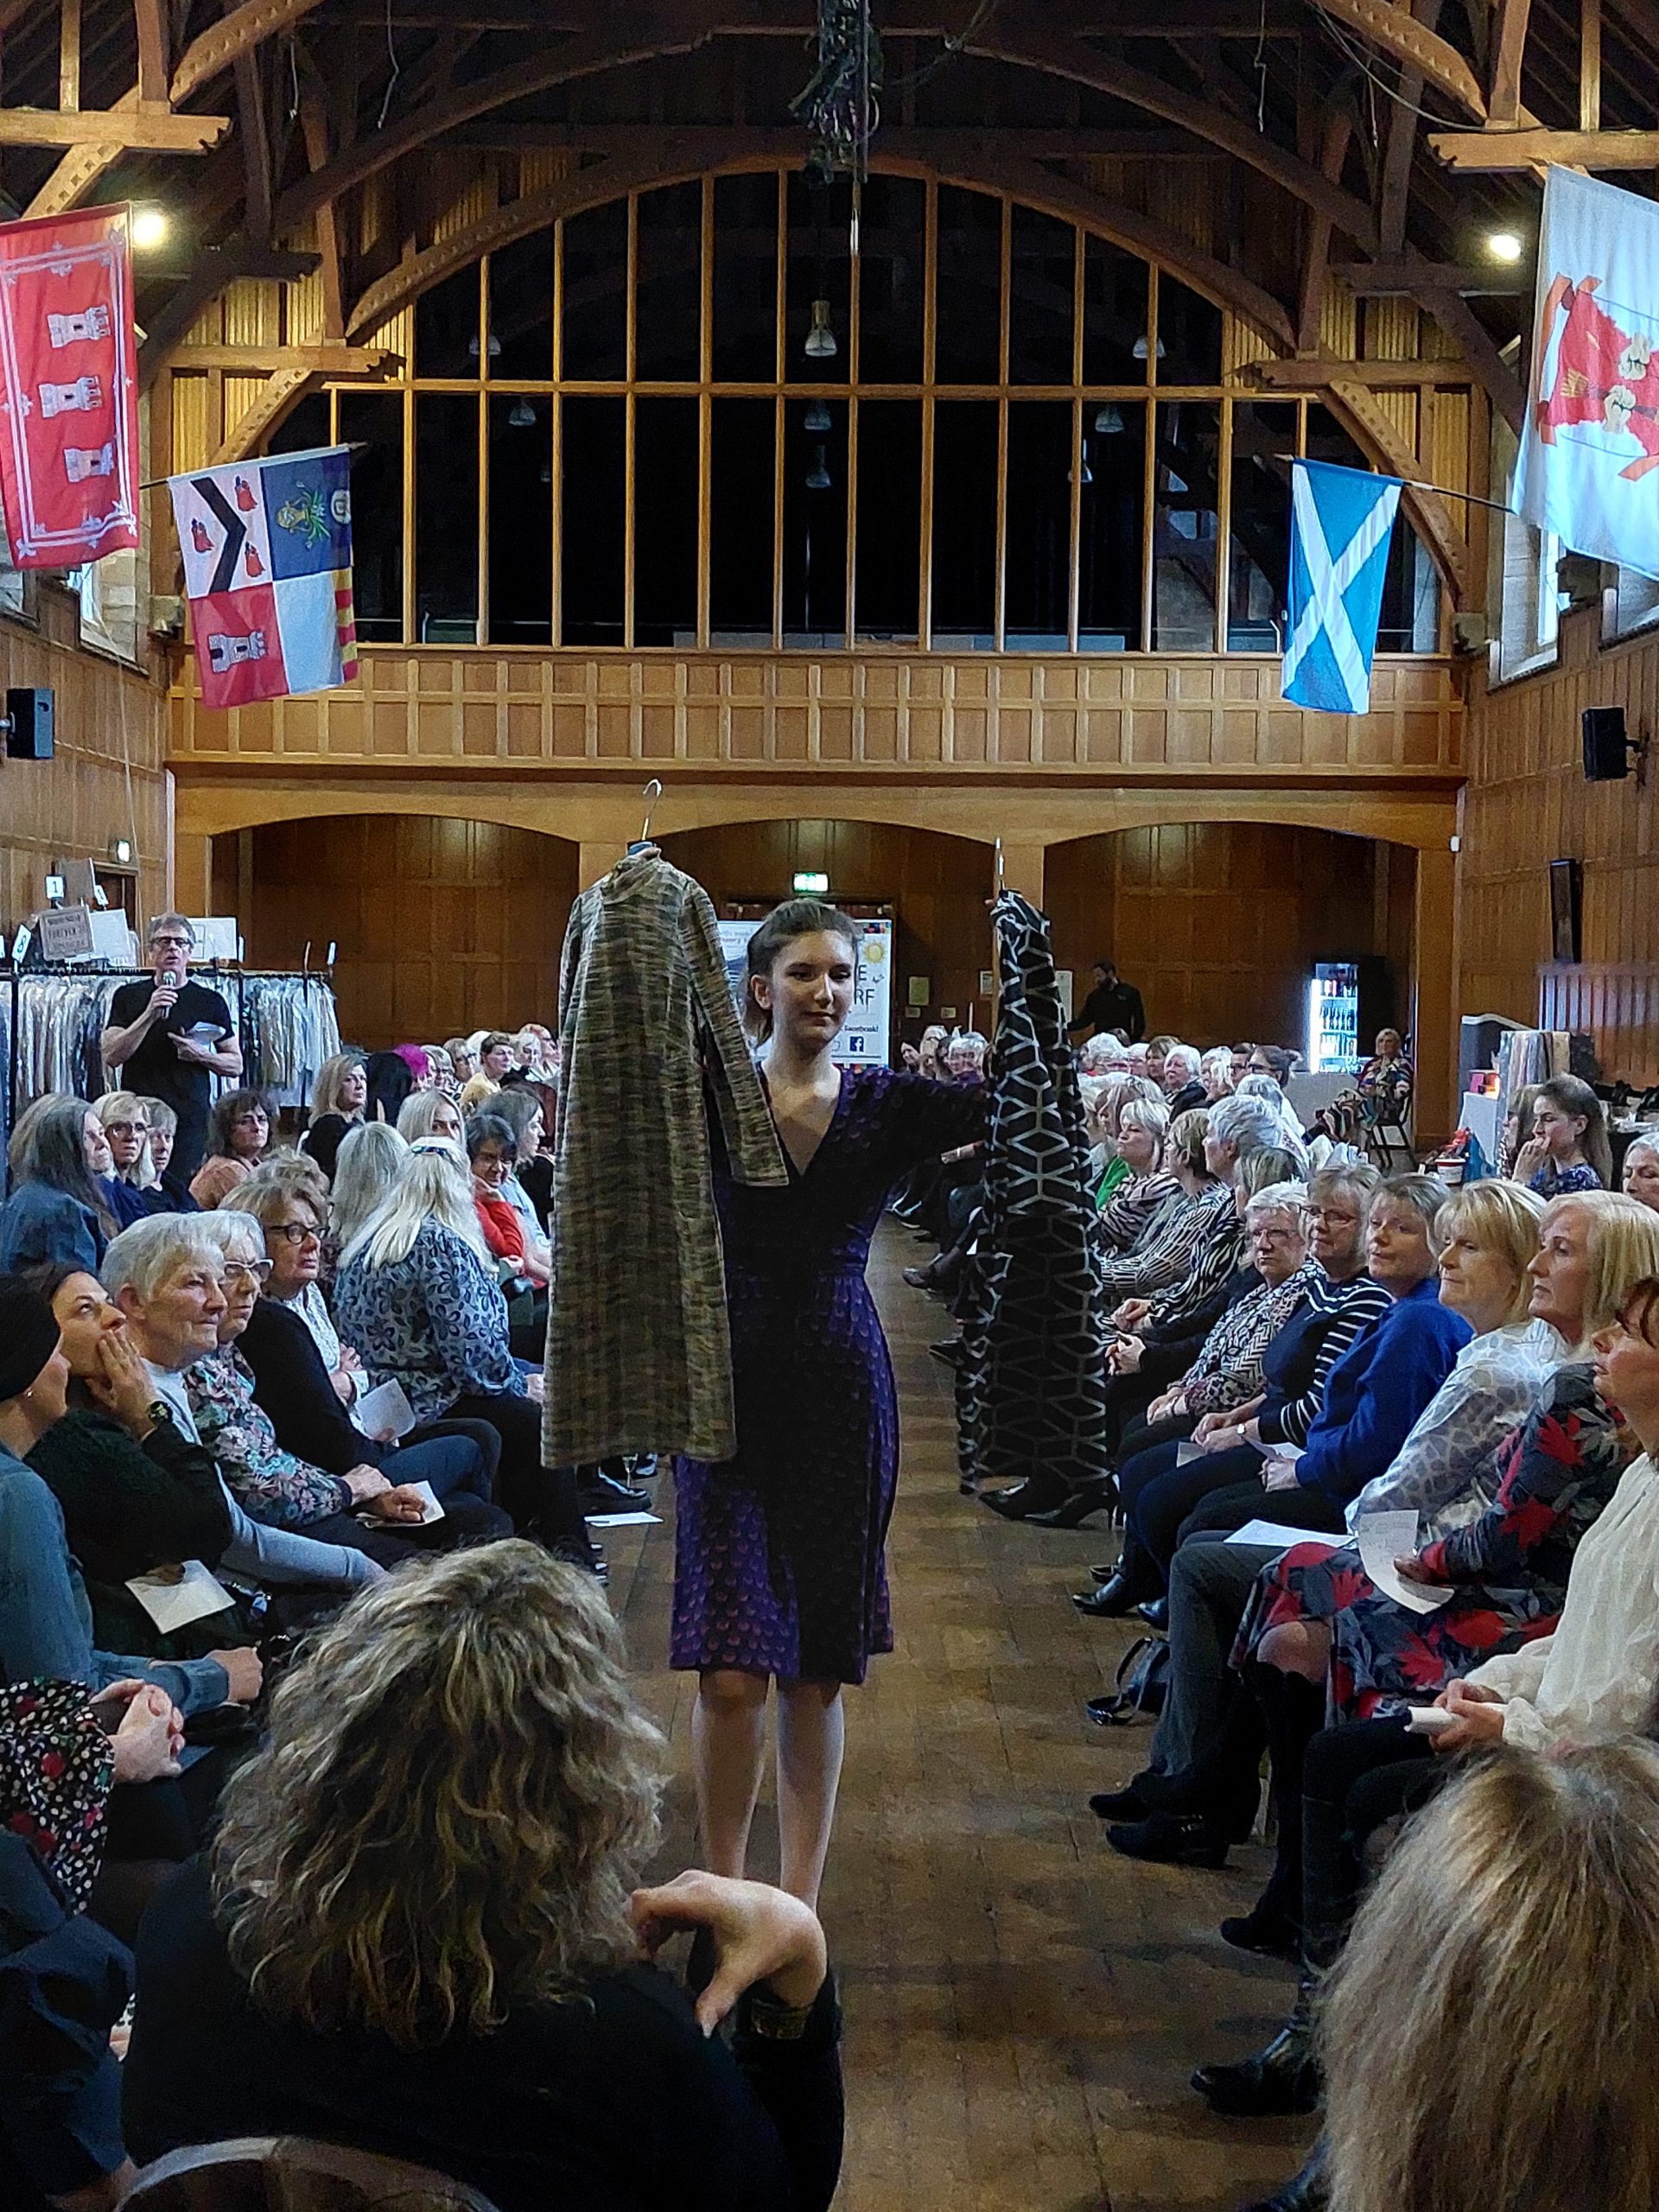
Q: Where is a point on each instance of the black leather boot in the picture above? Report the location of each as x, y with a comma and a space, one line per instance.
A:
1282, 2078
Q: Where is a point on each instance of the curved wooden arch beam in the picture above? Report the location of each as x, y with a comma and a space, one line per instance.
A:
234, 34
1357, 408
633, 36
1082, 64
1394, 31
1024, 181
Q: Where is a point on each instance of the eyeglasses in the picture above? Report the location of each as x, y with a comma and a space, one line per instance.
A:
294, 1232
126, 1128
250, 1270
177, 944
1330, 1220
1270, 1237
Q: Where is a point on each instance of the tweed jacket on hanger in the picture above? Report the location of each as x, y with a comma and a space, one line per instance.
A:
639, 1349
1030, 1390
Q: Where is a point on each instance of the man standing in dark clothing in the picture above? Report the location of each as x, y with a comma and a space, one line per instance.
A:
1110, 1005
172, 1037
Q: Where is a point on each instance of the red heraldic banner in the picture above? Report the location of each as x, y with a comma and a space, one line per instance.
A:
68, 389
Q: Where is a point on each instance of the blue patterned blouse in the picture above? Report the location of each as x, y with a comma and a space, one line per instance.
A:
434, 1321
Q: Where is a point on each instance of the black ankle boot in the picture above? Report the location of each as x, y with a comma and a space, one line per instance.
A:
1308, 2191
1281, 2079
1173, 1839
1096, 1496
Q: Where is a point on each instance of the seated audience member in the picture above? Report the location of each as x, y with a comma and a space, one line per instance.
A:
166, 1278
1567, 1149
45, 1621
1215, 1071
463, 1065
1535, 1882
416, 1298
437, 1061
1157, 1051
491, 1152
310, 1384
1253, 1084
1139, 1131
239, 1137
274, 1486
1183, 1079
965, 1057
388, 1083
139, 1497
168, 1194
371, 1160
432, 1113
125, 1121
61, 1206
65, 1980
1176, 1270
339, 1097
1386, 1081
1517, 1127
1227, 1374
925, 1057
1639, 1176
1269, 1059
1106, 1054
494, 1064
529, 1189
1592, 1681
414, 1058
416, 1931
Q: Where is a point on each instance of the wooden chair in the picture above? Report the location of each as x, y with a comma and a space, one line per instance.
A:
291, 2173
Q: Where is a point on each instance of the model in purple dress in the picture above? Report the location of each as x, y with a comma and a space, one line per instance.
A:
779, 1566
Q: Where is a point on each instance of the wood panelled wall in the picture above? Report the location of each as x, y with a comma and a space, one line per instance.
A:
1218, 923
1142, 716
937, 885
1526, 803
444, 926
107, 778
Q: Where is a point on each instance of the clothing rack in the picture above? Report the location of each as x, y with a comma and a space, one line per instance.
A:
283, 1046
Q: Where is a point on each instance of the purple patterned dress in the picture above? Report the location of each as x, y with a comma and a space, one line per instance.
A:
778, 1557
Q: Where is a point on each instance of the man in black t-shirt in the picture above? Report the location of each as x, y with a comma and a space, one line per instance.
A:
1110, 1005
171, 1037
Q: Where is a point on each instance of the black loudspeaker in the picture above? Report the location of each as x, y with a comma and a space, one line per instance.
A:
1606, 753
28, 732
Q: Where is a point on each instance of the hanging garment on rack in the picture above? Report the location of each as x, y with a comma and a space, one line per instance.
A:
60, 1020
289, 1027
1031, 1389
639, 1347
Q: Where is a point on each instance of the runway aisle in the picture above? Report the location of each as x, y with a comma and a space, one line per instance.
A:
1023, 2007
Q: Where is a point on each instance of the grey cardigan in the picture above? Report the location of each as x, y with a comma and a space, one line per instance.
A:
639, 1349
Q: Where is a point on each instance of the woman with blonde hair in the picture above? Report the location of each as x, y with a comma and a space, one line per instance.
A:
1140, 1132
1532, 1889
339, 1095
433, 1113
132, 1175
368, 1165
418, 1931
415, 1298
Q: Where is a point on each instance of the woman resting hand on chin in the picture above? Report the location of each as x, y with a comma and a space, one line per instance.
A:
778, 1568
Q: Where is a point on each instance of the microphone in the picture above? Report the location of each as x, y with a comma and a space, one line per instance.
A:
169, 980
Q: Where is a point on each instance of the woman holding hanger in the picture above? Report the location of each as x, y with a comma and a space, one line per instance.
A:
779, 1574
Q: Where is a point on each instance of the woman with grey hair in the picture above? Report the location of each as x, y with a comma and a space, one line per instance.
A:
1639, 1176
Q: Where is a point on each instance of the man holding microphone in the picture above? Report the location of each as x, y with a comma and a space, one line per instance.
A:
171, 1038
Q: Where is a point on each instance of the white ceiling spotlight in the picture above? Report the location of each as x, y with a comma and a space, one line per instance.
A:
1506, 246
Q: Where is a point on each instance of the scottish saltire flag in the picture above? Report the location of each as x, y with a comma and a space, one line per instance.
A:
1341, 522
1588, 468
268, 573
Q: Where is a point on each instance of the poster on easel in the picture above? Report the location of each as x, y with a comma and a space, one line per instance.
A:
867, 1041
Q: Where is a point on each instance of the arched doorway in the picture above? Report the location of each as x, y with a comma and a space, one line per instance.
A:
1218, 923
441, 925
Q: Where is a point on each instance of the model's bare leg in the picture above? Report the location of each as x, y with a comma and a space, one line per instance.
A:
728, 1747
811, 1737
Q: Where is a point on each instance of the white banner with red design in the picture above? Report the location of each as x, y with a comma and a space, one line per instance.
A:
1589, 463
68, 389
268, 573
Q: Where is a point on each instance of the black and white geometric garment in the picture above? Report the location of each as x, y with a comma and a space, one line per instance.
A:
1031, 1389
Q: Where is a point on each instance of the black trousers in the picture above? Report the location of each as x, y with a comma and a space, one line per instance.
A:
543, 1501
1355, 1779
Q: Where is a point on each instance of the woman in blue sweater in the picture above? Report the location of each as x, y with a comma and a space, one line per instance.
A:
61, 1209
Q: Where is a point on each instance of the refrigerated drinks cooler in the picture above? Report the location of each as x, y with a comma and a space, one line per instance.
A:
1348, 1002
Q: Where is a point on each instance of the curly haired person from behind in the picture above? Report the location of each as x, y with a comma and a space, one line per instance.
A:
417, 1931
1492, 2033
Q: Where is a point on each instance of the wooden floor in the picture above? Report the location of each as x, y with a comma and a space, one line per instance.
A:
1023, 2006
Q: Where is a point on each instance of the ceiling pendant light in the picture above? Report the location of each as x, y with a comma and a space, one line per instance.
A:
821, 344
816, 417
521, 415
818, 477
1109, 419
